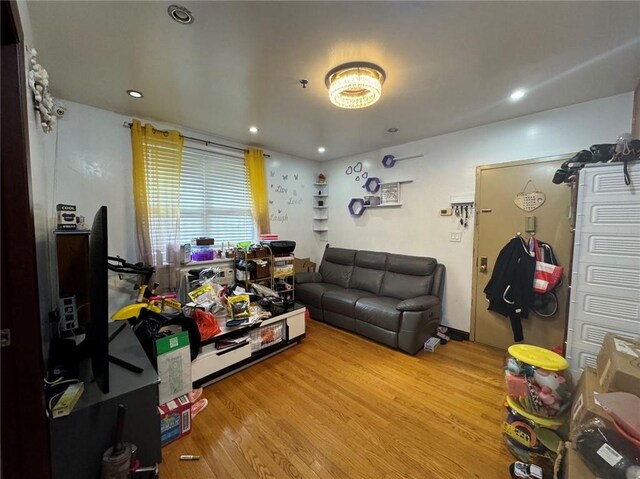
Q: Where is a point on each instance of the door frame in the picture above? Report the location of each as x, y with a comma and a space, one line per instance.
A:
476, 239
24, 450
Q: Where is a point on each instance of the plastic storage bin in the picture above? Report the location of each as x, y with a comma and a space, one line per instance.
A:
531, 439
202, 252
538, 380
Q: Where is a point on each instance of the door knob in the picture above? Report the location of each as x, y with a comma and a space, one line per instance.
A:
483, 264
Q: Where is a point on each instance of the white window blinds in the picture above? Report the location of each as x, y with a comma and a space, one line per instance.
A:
214, 197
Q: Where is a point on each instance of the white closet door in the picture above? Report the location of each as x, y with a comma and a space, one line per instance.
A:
605, 282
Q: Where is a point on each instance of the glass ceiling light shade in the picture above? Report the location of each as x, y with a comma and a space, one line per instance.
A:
355, 85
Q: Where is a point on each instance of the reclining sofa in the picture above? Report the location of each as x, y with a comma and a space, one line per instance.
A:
391, 298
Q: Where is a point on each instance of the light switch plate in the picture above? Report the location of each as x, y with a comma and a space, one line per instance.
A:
455, 237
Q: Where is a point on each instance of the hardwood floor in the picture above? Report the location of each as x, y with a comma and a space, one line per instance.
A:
340, 406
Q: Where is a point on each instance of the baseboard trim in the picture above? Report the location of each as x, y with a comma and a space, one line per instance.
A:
458, 332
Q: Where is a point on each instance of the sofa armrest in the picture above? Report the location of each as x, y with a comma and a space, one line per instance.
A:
308, 277
419, 303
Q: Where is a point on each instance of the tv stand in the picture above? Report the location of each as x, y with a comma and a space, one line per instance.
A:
124, 364
212, 364
79, 440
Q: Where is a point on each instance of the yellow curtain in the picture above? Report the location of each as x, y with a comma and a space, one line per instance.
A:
257, 182
157, 162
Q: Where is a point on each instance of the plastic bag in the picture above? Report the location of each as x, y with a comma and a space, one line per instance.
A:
207, 324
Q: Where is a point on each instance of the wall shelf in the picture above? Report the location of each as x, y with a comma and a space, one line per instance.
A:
387, 205
319, 203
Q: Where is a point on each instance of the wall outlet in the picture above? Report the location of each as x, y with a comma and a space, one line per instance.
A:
455, 236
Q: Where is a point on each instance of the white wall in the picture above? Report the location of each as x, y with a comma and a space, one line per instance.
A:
90, 156
41, 194
448, 167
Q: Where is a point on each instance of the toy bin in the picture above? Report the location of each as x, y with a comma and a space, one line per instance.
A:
538, 381
531, 439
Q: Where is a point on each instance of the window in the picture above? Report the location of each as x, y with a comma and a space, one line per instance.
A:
214, 197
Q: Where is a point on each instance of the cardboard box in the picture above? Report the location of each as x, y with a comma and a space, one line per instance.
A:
175, 419
584, 405
304, 265
619, 365
66, 217
573, 465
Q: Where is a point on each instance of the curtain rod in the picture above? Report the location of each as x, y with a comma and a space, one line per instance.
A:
206, 142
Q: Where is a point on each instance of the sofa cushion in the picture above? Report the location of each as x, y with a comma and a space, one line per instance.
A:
343, 300
368, 271
311, 293
380, 311
337, 266
408, 276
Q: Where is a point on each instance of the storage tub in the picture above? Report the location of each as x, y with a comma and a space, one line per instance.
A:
202, 252
538, 380
529, 438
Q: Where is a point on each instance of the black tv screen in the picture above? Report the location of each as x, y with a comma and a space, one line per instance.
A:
98, 326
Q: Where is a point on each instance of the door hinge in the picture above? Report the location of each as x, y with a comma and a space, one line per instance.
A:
5, 337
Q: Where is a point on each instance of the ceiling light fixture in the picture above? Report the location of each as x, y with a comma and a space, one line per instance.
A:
135, 93
392, 130
180, 14
321, 149
355, 85
253, 130
518, 94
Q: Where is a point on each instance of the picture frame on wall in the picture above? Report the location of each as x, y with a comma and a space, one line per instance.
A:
390, 193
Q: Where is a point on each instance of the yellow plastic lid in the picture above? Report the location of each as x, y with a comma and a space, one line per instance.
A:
541, 421
539, 357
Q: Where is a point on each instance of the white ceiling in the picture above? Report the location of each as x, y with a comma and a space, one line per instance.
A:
449, 65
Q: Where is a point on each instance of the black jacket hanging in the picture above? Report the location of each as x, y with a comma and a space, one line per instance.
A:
509, 290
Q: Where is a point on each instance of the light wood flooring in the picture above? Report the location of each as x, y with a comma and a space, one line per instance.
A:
340, 406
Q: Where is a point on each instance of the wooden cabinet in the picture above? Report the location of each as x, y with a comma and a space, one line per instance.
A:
72, 251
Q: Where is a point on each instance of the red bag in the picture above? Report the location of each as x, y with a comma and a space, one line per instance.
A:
207, 324
547, 274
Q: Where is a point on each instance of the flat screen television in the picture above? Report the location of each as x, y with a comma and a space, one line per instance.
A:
98, 326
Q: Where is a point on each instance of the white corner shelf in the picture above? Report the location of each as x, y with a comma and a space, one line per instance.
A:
321, 207
320, 231
320, 184
320, 219
320, 196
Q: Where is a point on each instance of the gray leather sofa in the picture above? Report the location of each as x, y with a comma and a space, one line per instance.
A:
391, 298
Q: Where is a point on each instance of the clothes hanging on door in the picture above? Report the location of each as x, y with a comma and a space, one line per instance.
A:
509, 290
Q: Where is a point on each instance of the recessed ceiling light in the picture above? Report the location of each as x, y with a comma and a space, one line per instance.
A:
392, 130
180, 14
518, 94
253, 129
321, 149
135, 93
